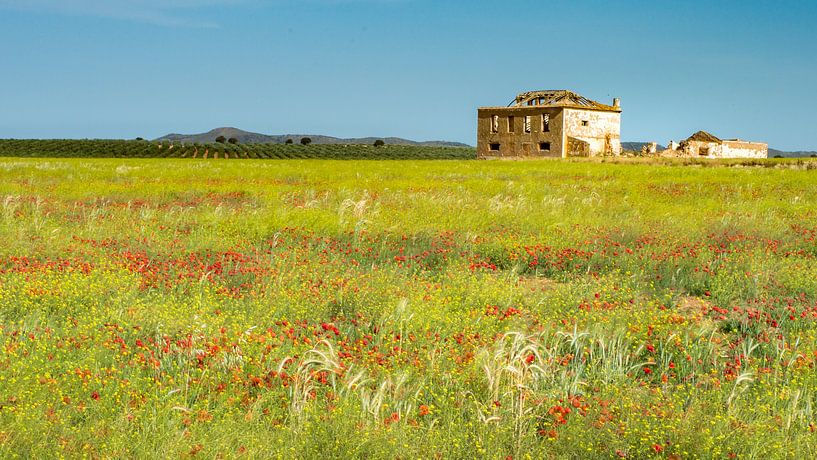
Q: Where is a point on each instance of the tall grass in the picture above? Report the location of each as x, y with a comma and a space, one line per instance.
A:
406, 309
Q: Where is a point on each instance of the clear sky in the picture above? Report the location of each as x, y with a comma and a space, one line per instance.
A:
408, 68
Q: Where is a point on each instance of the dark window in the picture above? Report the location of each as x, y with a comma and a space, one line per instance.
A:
510, 124
545, 123
494, 147
526, 124
703, 151
544, 146
585, 123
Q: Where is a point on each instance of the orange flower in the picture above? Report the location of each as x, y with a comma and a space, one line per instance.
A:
393, 418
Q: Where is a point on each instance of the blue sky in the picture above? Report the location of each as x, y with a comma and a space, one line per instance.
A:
409, 68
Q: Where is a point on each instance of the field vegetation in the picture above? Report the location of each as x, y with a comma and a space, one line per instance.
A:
223, 149
407, 309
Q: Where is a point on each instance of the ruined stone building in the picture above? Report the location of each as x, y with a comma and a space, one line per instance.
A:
556, 123
705, 145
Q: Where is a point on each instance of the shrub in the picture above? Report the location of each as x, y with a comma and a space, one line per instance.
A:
306, 141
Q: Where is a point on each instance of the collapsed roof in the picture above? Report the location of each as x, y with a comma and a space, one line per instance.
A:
559, 98
703, 136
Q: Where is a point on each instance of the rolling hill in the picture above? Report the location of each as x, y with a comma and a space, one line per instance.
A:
635, 146
798, 154
246, 137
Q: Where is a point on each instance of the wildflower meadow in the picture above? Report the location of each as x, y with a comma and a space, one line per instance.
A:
166, 308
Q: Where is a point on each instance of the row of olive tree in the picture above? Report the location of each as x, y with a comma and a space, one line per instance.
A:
304, 141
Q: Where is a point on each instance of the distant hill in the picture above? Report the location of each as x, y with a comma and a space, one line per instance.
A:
785, 154
636, 146
246, 137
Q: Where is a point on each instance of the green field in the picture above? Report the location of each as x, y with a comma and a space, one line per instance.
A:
407, 309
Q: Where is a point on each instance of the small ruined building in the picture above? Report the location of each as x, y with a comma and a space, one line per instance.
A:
557, 123
705, 145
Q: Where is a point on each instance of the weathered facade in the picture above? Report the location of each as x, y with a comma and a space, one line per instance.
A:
705, 145
556, 123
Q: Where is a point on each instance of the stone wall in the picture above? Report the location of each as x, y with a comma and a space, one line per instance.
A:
592, 132
701, 149
743, 149
725, 149
517, 142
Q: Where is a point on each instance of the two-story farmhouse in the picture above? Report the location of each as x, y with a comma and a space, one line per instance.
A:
556, 123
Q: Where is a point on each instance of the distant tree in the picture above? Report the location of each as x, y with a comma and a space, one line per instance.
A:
379, 143
306, 141
221, 139
232, 140
140, 138
778, 156
813, 155
289, 141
